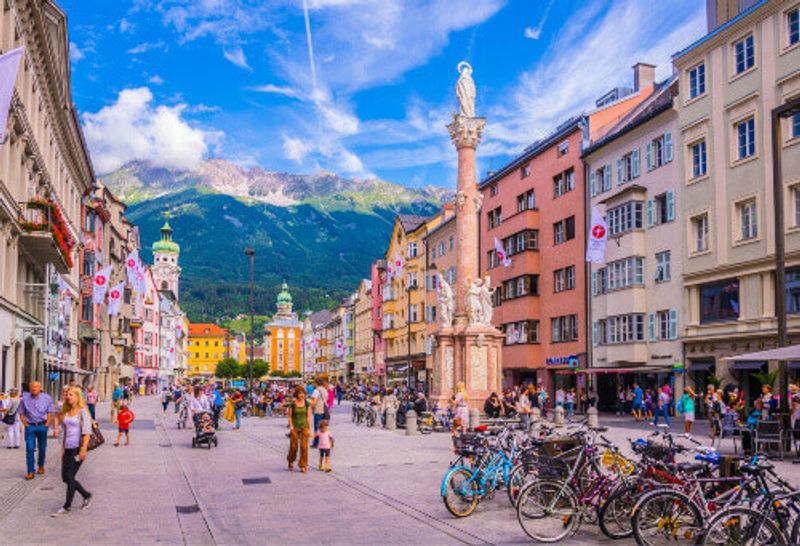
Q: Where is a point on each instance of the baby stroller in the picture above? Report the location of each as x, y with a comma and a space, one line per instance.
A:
202, 437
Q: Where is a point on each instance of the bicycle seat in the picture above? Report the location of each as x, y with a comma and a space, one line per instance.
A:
691, 467
754, 469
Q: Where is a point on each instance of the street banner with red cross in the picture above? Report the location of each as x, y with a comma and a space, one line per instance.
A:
502, 258
598, 235
115, 298
100, 287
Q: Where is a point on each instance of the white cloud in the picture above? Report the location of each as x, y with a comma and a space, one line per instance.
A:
296, 149
75, 53
134, 128
237, 57
277, 90
146, 46
125, 26
534, 33
156, 80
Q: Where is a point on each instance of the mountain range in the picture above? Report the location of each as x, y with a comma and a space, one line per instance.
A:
318, 232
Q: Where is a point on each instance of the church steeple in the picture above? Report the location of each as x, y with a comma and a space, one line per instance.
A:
165, 260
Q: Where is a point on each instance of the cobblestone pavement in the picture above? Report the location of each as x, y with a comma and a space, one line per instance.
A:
384, 489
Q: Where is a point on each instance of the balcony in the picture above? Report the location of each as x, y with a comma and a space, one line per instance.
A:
45, 234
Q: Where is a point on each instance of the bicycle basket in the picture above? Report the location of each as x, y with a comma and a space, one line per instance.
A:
610, 460
547, 467
467, 443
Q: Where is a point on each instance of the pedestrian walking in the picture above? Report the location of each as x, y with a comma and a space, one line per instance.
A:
76, 422
524, 406
116, 400
217, 403
319, 405
34, 411
325, 442
461, 409
238, 405
638, 402
165, 396
300, 417
124, 420
11, 419
715, 407
570, 402
662, 407
339, 394
686, 407
91, 401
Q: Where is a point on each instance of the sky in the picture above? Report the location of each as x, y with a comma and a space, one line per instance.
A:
361, 88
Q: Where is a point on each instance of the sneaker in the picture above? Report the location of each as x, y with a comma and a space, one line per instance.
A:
327, 469
60, 512
29, 476
87, 502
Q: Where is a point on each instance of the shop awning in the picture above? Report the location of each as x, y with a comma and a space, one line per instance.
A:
601, 371
700, 366
782, 353
748, 365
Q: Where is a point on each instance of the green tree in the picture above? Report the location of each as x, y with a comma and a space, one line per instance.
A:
768, 378
277, 373
227, 368
260, 368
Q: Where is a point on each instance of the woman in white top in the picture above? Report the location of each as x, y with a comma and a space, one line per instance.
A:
14, 430
76, 428
461, 410
199, 403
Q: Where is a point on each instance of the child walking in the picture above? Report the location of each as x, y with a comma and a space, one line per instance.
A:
323, 436
124, 419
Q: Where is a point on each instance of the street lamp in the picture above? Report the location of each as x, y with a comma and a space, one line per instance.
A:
780, 113
252, 253
409, 371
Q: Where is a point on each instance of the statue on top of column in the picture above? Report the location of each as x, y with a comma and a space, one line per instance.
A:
465, 90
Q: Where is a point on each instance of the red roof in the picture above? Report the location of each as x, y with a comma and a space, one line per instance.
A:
206, 330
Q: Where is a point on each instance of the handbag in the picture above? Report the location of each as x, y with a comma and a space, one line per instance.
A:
10, 418
96, 437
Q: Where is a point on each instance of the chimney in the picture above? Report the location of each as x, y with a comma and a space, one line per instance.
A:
643, 76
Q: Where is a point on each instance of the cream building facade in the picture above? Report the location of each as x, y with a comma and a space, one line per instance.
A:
43, 160
730, 81
363, 338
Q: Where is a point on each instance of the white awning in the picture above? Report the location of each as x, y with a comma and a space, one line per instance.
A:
782, 353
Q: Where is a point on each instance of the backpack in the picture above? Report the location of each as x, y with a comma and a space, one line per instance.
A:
680, 407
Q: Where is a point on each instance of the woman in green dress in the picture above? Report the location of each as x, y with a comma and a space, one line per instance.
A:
299, 418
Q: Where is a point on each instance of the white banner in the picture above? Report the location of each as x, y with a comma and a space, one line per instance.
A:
101, 279
502, 259
135, 271
598, 235
9, 64
115, 298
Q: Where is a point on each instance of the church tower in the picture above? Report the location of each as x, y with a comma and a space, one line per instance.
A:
166, 271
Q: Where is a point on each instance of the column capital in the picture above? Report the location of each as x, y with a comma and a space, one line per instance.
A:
466, 132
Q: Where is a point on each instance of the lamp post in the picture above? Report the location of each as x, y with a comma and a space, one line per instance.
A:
409, 371
252, 253
779, 114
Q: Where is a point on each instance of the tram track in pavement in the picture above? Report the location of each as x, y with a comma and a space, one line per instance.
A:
426, 518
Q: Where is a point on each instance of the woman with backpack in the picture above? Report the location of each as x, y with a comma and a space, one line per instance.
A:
76, 428
11, 419
686, 407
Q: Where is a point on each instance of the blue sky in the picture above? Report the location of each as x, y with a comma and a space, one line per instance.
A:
175, 81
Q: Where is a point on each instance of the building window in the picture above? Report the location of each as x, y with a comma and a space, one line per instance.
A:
697, 81
413, 313
564, 230
524, 172
620, 274
495, 217
564, 279
793, 290
628, 167
563, 148
88, 263
564, 329
796, 201
600, 180
748, 221
624, 218
521, 241
661, 209
699, 161
700, 232
621, 329
658, 152
87, 309
746, 138
524, 331
793, 26
744, 54
719, 301
452, 243
796, 126
526, 201
663, 325
663, 266
564, 182
412, 250
524, 285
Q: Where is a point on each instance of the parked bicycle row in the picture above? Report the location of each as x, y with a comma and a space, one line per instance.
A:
660, 489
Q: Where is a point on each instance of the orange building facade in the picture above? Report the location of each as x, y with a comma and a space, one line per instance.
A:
283, 335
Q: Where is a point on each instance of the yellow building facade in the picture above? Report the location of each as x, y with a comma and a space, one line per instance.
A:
282, 336
208, 344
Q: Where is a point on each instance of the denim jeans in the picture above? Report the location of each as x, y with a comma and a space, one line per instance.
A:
317, 418
661, 412
238, 413
35, 434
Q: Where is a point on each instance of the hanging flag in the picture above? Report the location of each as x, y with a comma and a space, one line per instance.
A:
598, 235
502, 259
398, 266
339, 347
115, 298
100, 285
9, 63
135, 271
389, 271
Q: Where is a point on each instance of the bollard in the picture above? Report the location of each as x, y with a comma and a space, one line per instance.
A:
474, 418
593, 419
559, 415
411, 422
391, 419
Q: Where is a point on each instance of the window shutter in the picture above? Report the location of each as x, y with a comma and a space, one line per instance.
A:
636, 163
667, 147
651, 326
649, 213
607, 177
594, 283
619, 171
594, 334
670, 206
593, 184
673, 324
648, 155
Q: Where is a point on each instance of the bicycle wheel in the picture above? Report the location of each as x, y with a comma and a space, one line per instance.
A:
548, 511
614, 516
666, 517
517, 479
370, 418
461, 493
741, 526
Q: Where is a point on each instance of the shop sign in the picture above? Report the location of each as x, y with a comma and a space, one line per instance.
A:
571, 361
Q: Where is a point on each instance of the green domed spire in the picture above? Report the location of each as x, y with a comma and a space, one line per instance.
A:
166, 244
284, 297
